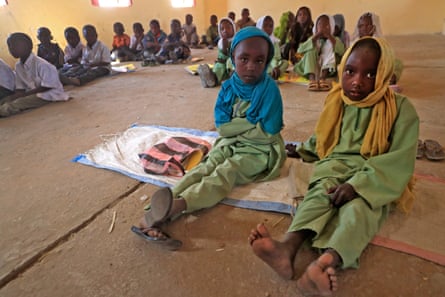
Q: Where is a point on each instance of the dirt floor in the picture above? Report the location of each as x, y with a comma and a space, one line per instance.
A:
55, 214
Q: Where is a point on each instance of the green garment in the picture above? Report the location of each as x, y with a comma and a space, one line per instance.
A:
309, 62
379, 181
212, 34
222, 70
242, 154
277, 60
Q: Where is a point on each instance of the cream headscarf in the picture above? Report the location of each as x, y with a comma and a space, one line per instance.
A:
382, 117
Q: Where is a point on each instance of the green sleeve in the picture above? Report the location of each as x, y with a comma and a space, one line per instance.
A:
383, 178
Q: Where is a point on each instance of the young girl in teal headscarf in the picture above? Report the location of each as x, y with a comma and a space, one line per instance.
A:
249, 118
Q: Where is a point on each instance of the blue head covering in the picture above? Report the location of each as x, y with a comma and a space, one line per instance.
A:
266, 104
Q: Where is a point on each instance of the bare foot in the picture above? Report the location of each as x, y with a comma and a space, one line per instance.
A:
320, 277
271, 251
151, 231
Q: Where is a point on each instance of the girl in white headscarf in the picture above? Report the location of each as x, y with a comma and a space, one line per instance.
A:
278, 65
369, 25
320, 54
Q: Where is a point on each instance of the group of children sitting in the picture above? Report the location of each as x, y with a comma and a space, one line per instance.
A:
313, 50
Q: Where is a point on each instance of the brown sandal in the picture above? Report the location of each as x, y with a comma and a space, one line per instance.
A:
433, 150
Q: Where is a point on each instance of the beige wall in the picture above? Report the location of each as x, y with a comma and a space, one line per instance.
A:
397, 17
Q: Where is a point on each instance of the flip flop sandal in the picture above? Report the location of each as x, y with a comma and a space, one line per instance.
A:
165, 242
208, 79
433, 150
160, 206
325, 86
313, 86
420, 149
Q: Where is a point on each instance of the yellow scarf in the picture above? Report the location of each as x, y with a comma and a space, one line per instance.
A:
382, 99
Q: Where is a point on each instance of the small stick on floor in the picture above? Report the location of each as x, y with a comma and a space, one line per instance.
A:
113, 220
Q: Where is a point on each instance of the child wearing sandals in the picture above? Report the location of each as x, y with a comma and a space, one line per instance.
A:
222, 68
320, 54
364, 147
249, 118
278, 65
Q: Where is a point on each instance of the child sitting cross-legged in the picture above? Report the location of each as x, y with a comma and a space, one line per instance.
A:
249, 118
95, 61
37, 81
364, 149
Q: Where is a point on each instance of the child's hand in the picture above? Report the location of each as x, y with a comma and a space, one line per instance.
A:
341, 194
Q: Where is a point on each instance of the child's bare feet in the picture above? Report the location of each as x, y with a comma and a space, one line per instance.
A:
319, 278
271, 251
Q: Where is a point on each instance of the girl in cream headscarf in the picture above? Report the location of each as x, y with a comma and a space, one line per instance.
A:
364, 149
278, 65
319, 54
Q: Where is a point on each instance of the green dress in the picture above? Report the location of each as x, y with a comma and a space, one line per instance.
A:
378, 181
222, 67
309, 62
242, 154
277, 60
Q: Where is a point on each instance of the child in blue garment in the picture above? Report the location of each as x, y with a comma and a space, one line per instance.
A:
37, 81
222, 68
249, 118
153, 40
320, 54
48, 50
364, 151
278, 65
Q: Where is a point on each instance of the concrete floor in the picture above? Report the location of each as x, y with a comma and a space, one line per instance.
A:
55, 214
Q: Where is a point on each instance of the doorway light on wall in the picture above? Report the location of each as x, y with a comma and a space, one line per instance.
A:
112, 3
182, 3
3, 2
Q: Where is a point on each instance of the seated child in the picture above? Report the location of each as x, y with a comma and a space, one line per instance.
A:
74, 47
340, 31
211, 38
37, 81
278, 65
221, 70
95, 61
174, 49
364, 149
369, 25
153, 40
231, 15
319, 54
136, 43
282, 31
249, 118
47, 50
121, 44
245, 20
191, 38
300, 31
7, 80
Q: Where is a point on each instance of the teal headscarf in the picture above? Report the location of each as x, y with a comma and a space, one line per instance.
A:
266, 104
